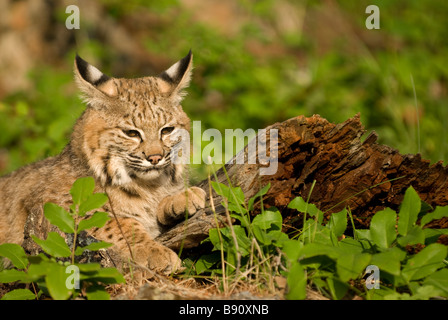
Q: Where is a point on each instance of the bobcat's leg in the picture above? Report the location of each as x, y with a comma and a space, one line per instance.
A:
173, 207
145, 250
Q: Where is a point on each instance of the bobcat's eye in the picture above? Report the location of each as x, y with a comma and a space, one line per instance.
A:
167, 130
132, 133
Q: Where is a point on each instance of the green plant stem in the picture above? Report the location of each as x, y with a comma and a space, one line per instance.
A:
212, 204
75, 237
229, 221
353, 223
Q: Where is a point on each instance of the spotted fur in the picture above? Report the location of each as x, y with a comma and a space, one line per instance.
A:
123, 140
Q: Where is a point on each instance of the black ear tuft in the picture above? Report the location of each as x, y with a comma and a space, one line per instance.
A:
89, 73
176, 72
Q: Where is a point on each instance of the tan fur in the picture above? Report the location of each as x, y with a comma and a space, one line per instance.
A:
113, 141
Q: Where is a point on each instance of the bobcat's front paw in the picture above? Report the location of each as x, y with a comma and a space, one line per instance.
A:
173, 207
163, 260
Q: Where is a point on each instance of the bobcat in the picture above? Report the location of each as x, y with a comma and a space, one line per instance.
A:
123, 140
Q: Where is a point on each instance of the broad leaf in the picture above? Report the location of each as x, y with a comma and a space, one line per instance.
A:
95, 246
363, 234
104, 275
389, 260
82, 189
409, 209
244, 243
438, 213
95, 201
414, 236
11, 275
292, 249
338, 288
338, 223
439, 279
97, 292
302, 206
296, 280
232, 194
207, 261
98, 220
350, 266
59, 217
88, 267
15, 253
54, 245
382, 228
19, 294
259, 194
425, 262
432, 235
56, 282
267, 219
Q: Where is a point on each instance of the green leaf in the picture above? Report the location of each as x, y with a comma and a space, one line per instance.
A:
415, 235
15, 253
215, 238
439, 279
338, 288
427, 292
363, 234
268, 218
11, 275
432, 235
259, 194
95, 201
19, 294
207, 261
97, 292
244, 243
438, 213
95, 246
382, 228
88, 267
425, 262
82, 189
409, 210
59, 217
54, 245
104, 275
292, 249
338, 223
56, 282
296, 280
40, 269
316, 249
349, 245
230, 193
98, 220
302, 206
389, 260
351, 266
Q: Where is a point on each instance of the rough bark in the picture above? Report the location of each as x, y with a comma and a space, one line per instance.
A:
361, 175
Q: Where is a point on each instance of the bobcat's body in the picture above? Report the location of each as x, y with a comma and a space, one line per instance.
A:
123, 141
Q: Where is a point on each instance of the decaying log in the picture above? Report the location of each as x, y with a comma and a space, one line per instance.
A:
349, 172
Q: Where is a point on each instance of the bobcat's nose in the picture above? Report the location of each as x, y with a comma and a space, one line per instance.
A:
154, 158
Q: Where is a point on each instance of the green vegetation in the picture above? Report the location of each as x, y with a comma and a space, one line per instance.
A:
264, 74
326, 256
327, 64
56, 272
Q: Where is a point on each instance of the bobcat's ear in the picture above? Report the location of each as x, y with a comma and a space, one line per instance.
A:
92, 82
176, 78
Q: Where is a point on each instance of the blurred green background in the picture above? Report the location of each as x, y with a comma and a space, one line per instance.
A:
257, 62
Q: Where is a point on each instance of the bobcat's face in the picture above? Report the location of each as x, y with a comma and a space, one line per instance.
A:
132, 126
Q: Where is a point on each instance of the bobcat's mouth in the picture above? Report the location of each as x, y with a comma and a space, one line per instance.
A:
140, 165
